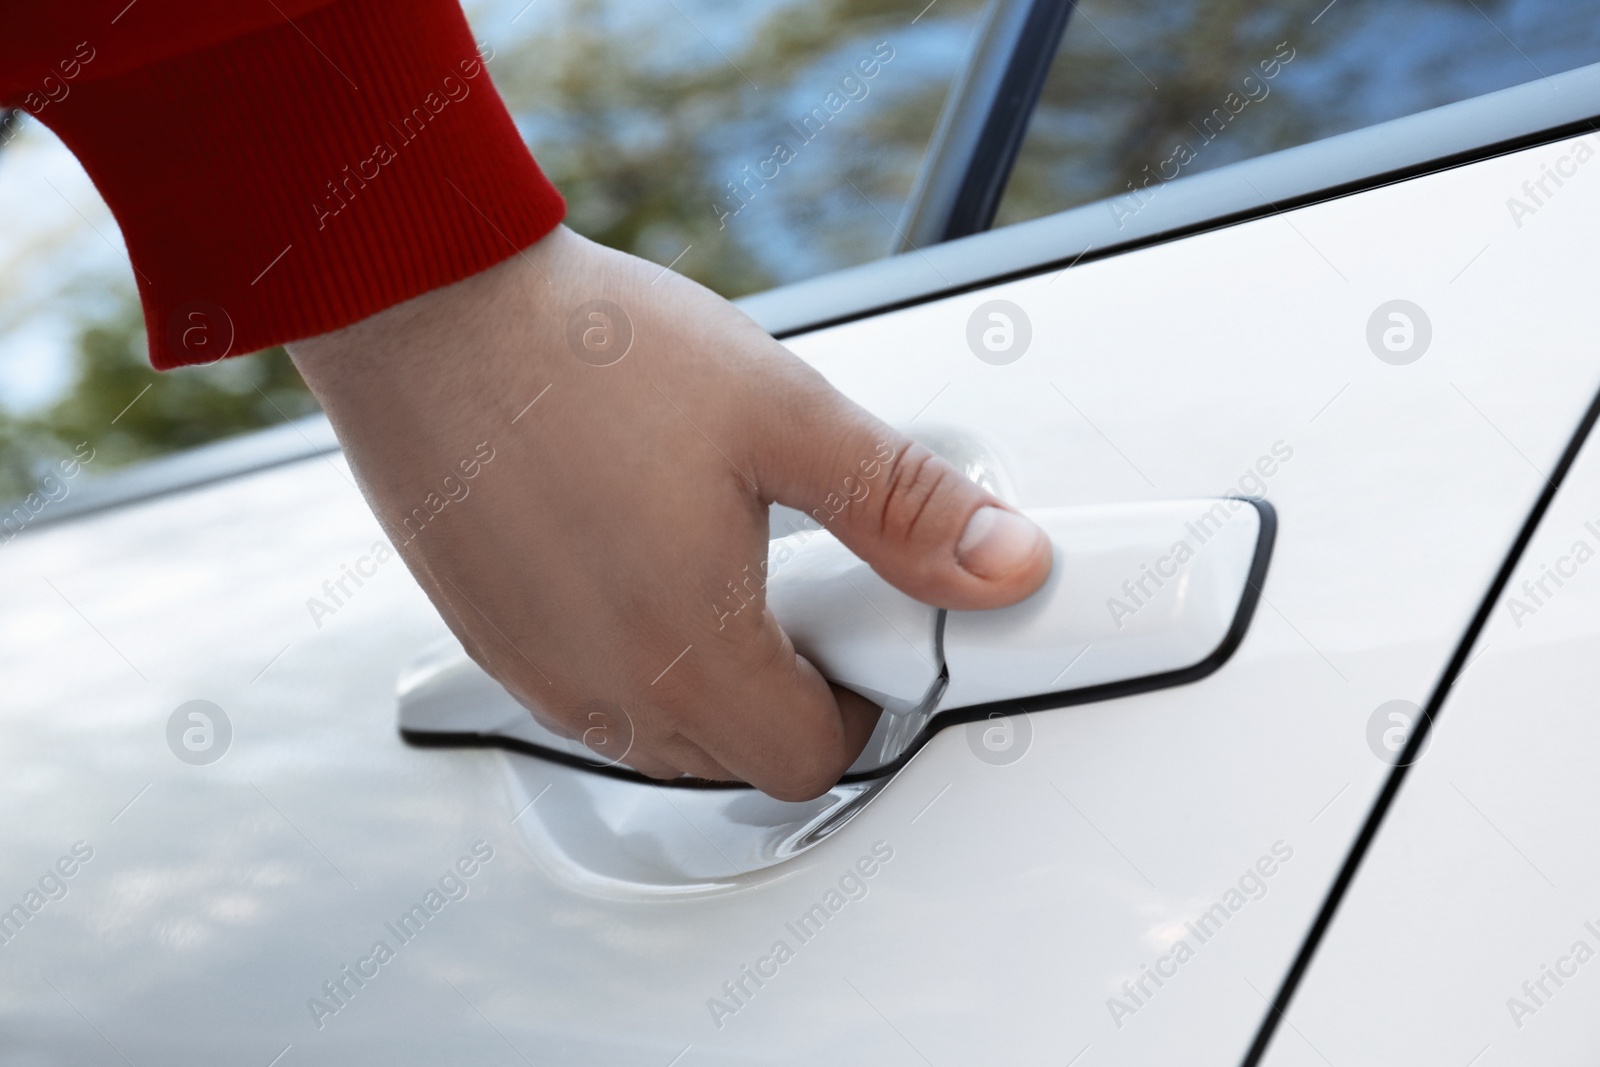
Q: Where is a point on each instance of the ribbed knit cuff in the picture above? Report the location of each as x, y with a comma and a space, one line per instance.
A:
305, 176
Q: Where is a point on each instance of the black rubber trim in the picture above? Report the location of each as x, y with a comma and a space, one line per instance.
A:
1266, 537
428, 739
1419, 737
994, 154
1267, 209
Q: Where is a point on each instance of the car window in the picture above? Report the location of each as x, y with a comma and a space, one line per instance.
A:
763, 141
746, 144
1144, 91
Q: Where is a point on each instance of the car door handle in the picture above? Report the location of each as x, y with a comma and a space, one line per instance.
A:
1139, 595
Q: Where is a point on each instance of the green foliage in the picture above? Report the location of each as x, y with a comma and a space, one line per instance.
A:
132, 412
641, 123
129, 412
1137, 78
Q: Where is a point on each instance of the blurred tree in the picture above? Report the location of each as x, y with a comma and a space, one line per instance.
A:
133, 412
20, 459
641, 123
1137, 78
129, 412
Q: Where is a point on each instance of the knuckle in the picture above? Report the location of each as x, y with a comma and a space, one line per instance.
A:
915, 478
772, 658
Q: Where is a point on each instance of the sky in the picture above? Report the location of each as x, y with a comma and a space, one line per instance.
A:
61, 256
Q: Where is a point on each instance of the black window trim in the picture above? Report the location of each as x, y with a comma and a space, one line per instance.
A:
1549, 109
968, 163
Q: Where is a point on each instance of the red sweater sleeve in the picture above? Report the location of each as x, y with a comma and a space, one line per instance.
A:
285, 172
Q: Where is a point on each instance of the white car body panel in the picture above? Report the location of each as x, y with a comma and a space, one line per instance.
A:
1471, 930
1019, 897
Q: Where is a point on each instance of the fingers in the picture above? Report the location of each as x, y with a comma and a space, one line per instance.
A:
739, 713
762, 714
929, 531
611, 733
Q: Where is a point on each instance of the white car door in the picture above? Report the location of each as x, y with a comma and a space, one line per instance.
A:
1124, 881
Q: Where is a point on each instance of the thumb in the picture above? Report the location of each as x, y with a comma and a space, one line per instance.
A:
923, 526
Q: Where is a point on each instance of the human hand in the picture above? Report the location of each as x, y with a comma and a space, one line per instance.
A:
578, 525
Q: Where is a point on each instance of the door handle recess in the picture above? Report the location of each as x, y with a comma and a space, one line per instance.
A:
1140, 596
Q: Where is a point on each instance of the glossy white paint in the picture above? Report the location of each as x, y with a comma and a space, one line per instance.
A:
1175, 371
1007, 902
1472, 931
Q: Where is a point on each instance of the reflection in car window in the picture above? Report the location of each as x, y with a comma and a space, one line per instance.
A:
747, 143
1144, 91
773, 140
